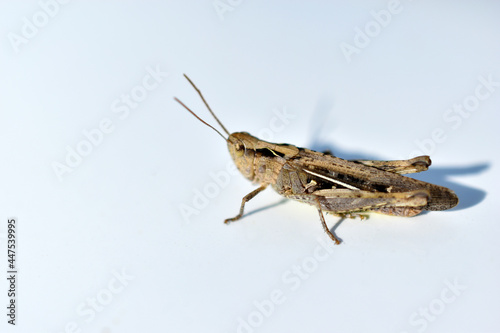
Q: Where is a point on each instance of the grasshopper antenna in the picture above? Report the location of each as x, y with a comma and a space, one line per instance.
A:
208, 107
203, 121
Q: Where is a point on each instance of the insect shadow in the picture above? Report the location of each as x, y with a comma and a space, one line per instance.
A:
468, 196
266, 207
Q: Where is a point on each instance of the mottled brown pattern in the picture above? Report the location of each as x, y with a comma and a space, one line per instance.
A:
331, 184
335, 185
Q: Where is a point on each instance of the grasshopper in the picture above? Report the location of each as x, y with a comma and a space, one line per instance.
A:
346, 188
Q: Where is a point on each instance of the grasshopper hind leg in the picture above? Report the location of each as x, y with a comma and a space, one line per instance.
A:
348, 203
414, 165
398, 211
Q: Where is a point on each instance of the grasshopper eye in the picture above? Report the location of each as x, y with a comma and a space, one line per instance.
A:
239, 149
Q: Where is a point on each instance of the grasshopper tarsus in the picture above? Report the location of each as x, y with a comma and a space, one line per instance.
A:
352, 215
245, 199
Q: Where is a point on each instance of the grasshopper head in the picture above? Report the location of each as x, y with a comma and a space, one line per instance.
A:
242, 147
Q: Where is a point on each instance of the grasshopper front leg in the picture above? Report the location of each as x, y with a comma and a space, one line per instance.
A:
245, 199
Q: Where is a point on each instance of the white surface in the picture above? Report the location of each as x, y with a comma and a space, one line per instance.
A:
119, 209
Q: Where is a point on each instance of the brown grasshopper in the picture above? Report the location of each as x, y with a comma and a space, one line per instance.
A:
346, 188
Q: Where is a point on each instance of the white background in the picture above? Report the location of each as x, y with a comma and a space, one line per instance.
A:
119, 212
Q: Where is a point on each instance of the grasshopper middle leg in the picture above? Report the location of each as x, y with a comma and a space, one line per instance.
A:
323, 223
